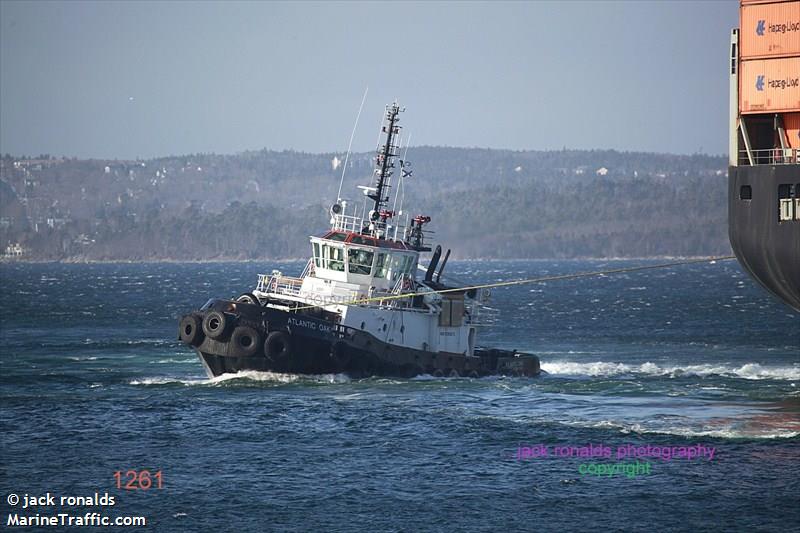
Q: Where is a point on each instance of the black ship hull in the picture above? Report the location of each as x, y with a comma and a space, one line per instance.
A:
767, 247
231, 337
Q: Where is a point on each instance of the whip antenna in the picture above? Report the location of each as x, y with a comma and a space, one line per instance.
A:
403, 173
350, 144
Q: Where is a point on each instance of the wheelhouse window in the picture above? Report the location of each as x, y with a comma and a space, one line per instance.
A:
334, 257
409, 264
360, 261
401, 264
382, 266
335, 236
360, 239
317, 256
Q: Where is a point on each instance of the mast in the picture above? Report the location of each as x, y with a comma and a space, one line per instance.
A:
384, 162
376, 222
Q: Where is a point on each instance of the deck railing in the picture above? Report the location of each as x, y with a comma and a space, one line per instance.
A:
347, 223
771, 156
405, 283
277, 283
309, 269
356, 224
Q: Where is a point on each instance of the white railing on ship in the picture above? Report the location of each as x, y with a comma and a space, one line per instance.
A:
309, 269
482, 315
279, 284
772, 156
405, 283
347, 223
356, 225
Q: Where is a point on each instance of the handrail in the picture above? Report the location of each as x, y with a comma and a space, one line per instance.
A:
309, 269
347, 223
354, 224
279, 284
405, 283
770, 156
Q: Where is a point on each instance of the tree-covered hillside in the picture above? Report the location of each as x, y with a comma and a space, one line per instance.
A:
484, 203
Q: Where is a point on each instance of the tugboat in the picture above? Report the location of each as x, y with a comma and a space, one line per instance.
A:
358, 307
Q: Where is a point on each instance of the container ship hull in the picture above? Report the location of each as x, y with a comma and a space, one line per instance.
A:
766, 247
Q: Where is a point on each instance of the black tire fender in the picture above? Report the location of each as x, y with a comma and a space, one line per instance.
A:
248, 298
278, 346
214, 324
245, 341
190, 330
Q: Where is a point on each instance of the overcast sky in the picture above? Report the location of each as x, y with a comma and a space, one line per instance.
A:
145, 79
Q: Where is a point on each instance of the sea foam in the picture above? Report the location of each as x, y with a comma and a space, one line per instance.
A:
604, 368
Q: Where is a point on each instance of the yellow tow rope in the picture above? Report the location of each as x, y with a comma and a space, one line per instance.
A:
525, 281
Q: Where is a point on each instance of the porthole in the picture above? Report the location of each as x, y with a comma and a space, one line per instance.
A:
746, 192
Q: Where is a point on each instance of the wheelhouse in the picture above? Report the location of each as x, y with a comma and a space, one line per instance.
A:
362, 259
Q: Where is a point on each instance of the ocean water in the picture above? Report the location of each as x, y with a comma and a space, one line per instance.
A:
93, 381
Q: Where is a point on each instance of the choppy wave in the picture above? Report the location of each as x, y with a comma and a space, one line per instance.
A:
728, 433
752, 432
604, 369
117, 342
168, 381
276, 377
430, 377
247, 375
174, 360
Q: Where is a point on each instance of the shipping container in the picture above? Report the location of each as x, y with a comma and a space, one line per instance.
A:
769, 30
791, 122
752, 2
769, 85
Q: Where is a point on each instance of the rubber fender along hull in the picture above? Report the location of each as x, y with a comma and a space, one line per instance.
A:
303, 344
767, 248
